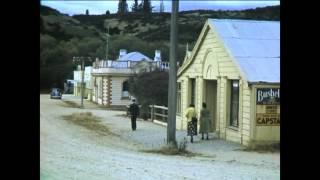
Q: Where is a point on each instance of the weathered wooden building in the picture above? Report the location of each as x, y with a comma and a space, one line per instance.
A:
235, 69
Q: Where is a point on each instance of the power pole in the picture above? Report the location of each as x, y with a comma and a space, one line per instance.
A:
82, 61
107, 50
172, 96
82, 81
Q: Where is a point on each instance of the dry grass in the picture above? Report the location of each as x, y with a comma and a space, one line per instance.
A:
71, 104
90, 122
174, 149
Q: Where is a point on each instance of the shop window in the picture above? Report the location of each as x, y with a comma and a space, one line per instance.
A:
234, 103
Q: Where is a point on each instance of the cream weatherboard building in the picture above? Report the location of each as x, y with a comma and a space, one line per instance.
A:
235, 69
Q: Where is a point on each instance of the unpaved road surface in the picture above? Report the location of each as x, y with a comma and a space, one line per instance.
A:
70, 152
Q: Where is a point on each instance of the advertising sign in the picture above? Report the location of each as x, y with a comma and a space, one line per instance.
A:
268, 107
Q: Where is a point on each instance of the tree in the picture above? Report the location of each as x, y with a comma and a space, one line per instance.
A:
150, 88
122, 7
88, 46
87, 12
47, 43
55, 60
107, 12
135, 6
41, 25
146, 7
161, 6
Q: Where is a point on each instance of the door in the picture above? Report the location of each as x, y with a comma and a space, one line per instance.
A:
210, 98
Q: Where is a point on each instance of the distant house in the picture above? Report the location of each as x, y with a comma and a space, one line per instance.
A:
110, 78
235, 69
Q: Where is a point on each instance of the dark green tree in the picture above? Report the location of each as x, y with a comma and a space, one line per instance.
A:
122, 7
107, 12
87, 12
146, 7
161, 6
135, 6
150, 88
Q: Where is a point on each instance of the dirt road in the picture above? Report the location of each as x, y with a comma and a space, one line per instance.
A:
69, 151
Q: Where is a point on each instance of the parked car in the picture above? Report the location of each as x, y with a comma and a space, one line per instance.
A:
56, 93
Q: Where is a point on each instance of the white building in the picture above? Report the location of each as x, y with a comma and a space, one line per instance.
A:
77, 75
110, 78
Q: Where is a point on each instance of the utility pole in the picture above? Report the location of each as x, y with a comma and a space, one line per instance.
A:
82, 82
107, 50
172, 96
82, 60
161, 6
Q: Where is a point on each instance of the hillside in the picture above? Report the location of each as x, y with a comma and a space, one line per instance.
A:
63, 36
156, 26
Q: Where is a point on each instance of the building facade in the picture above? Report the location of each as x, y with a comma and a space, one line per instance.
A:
110, 86
235, 69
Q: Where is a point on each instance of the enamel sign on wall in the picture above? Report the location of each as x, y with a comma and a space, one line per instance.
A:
268, 107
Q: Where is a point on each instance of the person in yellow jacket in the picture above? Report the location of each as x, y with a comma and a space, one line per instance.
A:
191, 115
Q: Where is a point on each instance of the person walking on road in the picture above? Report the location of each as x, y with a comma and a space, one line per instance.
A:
134, 112
205, 121
191, 115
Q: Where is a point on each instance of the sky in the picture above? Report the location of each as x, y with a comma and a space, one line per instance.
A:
72, 7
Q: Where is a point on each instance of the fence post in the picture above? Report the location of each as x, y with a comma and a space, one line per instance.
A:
152, 112
163, 117
166, 115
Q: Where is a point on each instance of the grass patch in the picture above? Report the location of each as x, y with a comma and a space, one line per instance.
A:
90, 122
71, 104
173, 149
264, 148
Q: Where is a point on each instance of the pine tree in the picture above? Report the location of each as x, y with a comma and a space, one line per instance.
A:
87, 12
146, 7
135, 6
122, 7
161, 6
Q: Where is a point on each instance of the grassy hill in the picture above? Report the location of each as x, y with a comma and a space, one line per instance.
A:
63, 36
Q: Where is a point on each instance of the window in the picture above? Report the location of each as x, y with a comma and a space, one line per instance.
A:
178, 98
125, 89
100, 88
193, 91
234, 103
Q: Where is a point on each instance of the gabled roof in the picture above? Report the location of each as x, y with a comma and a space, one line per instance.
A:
254, 45
134, 56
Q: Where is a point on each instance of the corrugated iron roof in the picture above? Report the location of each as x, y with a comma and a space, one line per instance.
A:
254, 45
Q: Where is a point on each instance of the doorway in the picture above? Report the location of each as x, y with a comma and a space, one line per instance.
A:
210, 98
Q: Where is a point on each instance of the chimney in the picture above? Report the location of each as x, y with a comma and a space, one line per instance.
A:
157, 55
122, 53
